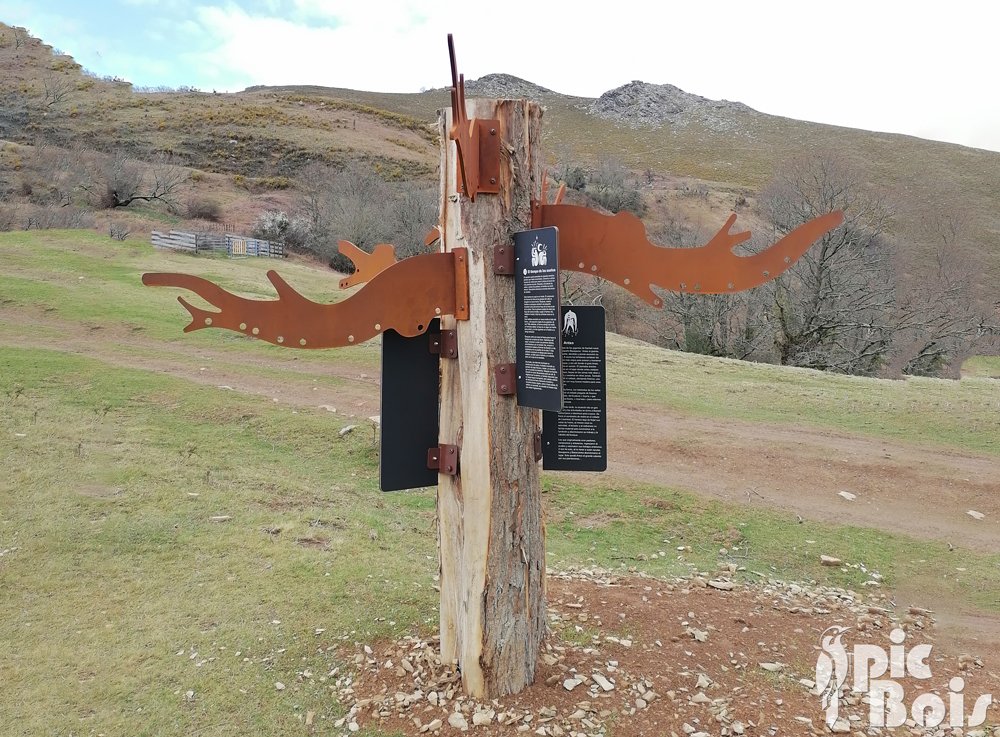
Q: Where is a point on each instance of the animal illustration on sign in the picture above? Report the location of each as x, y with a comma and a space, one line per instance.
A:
570, 324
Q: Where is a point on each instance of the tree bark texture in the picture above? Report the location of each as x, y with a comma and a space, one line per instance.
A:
490, 530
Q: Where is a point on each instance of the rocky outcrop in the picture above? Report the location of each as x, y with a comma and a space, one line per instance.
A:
641, 104
505, 87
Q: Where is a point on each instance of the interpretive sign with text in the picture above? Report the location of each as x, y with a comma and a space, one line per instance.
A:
537, 301
576, 438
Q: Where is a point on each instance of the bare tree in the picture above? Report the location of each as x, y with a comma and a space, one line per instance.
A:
56, 89
58, 174
836, 308
942, 321
123, 179
355, 204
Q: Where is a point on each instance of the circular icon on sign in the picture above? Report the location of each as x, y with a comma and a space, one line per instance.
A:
525, 272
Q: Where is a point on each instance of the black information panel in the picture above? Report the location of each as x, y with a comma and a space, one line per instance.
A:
576, 439
536, 273
410, 392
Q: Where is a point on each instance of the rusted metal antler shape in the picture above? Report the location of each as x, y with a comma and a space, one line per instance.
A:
477, 141
404, 298
366, 265
616, 248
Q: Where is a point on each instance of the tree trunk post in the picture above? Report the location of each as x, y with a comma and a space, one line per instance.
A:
491, 535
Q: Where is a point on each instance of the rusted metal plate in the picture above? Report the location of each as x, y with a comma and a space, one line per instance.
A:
477, 141
616, 248
444, 458
366, 265
504, 377
503, 260
445, 343
461, 266
405, 298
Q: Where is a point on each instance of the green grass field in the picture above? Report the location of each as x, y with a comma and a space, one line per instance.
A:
169, 551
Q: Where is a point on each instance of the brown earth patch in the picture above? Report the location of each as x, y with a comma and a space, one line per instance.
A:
641, 656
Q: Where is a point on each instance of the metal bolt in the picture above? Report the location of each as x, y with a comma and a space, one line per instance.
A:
451, 451
503, 387
493, 131
493, 180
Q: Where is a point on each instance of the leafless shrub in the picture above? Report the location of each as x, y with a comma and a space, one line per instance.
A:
118, 231
357, 205
52, 217
199, 207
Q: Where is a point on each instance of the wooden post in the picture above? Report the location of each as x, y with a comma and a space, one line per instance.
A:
490, 530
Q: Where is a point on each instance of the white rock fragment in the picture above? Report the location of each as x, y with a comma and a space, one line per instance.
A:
976, 515
458, 721
848, 495
603, 682
279, 685
721, 584
829, 560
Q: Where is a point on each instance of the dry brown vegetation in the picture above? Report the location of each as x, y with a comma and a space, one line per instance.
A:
229, 158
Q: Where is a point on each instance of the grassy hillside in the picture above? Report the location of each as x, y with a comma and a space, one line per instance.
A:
170, 549
267, 132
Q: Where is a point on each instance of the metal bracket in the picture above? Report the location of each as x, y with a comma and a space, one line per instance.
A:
477, 141
461, 262
445, 343
444, 459
503, 260
504, 375
537, 441
482, 162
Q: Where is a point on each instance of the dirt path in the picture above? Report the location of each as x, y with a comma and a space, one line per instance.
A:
924, 492
918, 491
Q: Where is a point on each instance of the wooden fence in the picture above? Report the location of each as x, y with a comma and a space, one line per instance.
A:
233, 245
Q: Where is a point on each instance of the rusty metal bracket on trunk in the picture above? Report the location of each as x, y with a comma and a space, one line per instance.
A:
503, 260
444, 458
503, 375
478, 141
445, 343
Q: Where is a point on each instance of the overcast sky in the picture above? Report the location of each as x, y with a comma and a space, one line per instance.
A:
927, 69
